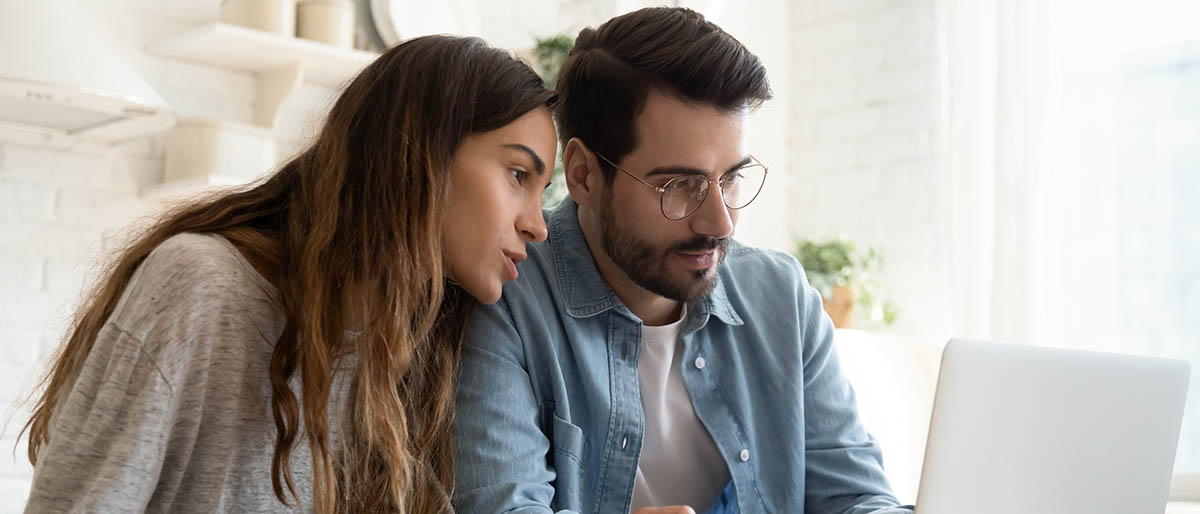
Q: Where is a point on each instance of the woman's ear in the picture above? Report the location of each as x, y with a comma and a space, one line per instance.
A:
583, 174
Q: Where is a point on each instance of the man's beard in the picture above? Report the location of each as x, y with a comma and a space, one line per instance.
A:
646, 264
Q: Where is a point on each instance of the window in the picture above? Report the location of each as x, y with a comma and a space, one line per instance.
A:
1126, 117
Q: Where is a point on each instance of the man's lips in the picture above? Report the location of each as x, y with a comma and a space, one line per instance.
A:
698, 260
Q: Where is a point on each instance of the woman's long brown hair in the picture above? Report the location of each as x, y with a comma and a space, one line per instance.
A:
354, 222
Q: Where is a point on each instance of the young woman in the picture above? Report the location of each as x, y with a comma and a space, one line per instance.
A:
293, 346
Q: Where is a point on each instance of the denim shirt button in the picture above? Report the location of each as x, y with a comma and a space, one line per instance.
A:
624, 442
700, 363
745, 455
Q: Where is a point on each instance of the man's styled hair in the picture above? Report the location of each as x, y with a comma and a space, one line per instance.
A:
612, 69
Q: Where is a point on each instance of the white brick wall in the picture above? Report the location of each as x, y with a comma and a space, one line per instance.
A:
58, 205
864, 110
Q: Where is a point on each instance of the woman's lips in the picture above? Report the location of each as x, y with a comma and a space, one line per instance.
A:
512, 258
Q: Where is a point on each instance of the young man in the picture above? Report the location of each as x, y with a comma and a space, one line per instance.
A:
644, 359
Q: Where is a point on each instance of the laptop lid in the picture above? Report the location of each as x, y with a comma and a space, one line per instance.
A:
1039, 430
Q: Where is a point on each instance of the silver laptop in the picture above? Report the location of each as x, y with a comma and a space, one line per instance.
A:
1036, 430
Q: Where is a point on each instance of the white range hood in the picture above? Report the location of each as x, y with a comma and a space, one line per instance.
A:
60, 75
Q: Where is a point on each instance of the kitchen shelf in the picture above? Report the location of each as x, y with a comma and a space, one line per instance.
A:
279, 64
239, 48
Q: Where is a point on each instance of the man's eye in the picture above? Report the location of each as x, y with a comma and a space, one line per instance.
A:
519, 174
679, 185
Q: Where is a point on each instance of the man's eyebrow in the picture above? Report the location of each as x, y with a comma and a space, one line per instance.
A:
538, 165
688, 170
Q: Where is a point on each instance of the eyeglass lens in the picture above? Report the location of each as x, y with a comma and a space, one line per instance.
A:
683, 195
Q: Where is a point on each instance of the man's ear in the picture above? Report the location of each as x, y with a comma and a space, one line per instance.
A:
585, 180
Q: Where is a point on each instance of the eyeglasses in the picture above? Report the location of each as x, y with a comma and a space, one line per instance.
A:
682, 196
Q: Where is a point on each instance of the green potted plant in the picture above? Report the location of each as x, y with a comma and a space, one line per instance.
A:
550, 53
844, 275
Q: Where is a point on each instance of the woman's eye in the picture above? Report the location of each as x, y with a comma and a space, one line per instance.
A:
518, 174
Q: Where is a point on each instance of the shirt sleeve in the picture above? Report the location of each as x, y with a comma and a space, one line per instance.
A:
501, 449
844, 464
109, 434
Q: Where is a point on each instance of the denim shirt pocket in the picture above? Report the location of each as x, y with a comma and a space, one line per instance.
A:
569, 447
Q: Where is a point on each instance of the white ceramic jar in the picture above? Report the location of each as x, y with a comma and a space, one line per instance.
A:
203, 147
327, 21
274, 16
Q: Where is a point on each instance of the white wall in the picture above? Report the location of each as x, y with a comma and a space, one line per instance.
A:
863, 139
762, 25
59, 207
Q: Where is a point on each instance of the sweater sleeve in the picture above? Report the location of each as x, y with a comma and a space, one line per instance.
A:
109, 434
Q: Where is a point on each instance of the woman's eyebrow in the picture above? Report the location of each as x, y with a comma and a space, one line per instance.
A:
537, 161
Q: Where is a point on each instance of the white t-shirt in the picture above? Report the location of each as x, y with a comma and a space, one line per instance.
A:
679, 463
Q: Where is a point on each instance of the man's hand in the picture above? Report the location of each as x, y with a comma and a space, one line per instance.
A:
674, 509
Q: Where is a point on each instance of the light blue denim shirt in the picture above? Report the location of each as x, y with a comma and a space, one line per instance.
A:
550, 415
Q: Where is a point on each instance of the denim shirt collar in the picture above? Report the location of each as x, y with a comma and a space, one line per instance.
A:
587, 294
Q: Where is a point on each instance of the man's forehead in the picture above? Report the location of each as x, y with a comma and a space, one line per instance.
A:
666, 111
674, 133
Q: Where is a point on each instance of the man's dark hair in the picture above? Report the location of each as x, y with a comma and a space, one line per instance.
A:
612, 69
